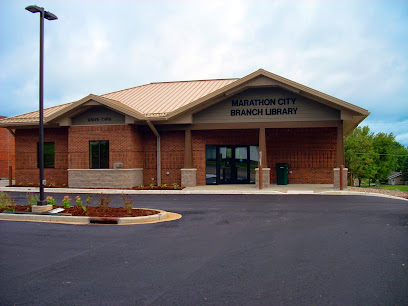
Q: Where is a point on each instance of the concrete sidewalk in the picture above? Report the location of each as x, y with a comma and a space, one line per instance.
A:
316, 189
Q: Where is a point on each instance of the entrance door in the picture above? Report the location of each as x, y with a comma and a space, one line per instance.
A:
232, 165
241, 165
225, 164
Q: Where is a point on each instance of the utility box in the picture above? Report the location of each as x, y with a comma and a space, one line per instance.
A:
282, 171
117, 165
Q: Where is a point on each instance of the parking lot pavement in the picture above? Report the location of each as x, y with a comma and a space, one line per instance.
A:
235, 249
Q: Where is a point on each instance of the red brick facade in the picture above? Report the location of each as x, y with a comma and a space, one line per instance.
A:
7, 152
125, 145
27, 171
310, 152
172, 157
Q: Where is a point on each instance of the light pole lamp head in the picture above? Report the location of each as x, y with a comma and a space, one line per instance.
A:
37, 9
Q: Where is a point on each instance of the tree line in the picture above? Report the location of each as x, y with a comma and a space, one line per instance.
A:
374, 156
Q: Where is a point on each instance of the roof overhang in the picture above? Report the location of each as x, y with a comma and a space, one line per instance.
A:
262, 78
351, 115
86, 103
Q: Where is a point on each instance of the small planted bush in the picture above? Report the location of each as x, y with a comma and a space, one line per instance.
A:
50, 201
6, 202
66, 202
32, 199
128, 203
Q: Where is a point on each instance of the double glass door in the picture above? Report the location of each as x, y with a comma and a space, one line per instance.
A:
230, 164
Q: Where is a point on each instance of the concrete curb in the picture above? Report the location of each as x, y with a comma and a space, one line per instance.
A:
188, 192
83, 220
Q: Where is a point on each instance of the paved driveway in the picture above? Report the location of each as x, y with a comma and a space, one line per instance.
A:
241, 250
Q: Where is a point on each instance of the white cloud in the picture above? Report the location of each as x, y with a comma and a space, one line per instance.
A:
348, 49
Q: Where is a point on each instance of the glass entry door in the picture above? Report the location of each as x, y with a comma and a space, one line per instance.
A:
225, 164
229, 165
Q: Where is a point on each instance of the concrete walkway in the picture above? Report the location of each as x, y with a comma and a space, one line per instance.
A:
317, 189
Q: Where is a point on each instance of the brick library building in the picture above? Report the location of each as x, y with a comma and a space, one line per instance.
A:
190, 133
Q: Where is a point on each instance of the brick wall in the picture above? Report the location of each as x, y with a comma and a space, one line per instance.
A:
7, 156
26, 156
125, 145
310, 152
172, 157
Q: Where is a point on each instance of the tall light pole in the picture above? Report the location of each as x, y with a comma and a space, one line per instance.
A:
49, 16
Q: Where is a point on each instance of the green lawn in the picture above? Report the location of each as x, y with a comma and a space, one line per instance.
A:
390, 187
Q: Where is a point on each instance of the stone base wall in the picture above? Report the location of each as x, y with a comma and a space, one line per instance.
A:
188, 177
105, 178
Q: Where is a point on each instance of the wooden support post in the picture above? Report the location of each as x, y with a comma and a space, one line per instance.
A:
341, 177
10, 174
188, 151
262, 146
260, 171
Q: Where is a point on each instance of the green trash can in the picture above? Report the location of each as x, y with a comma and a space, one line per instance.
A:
282, 171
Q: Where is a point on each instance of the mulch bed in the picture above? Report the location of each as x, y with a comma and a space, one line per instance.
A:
395, 193
133, 188
92, 211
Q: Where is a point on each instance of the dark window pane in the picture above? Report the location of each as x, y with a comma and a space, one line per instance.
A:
210, 165
49, 150
49, 155
104, 154
94, 154
99, 154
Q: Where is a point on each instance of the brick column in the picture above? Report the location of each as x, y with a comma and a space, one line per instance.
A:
266, 177
262, 147
188, 173
340, 145
336, 178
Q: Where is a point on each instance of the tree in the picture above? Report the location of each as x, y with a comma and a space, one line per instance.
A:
359, 154
373, 156
405, 170
387, 155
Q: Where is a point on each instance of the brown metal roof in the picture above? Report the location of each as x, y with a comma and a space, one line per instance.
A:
33, 117
168, 99
158, 99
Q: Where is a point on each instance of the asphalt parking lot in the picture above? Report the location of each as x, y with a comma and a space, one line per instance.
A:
226, 249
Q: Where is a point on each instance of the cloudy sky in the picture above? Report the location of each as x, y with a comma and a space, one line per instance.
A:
354, 50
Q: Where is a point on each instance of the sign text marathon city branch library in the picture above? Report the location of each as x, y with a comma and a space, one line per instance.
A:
256, 107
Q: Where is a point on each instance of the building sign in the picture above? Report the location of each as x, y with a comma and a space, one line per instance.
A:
266, 105
100, 119
98, 115
260, 107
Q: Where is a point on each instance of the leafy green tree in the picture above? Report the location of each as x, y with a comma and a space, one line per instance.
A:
373, 156
387, 156
405, 170
402, 154
359, 154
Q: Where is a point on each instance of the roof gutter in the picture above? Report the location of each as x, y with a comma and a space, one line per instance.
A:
153, 128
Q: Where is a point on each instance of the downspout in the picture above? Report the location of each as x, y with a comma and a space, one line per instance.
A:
11, 131
158, 151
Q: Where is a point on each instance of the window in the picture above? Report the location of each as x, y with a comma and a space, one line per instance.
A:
49, 155
99, 154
